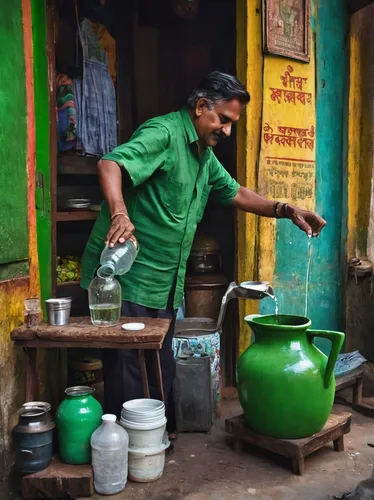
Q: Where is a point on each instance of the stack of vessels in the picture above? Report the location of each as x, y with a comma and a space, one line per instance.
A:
145, 423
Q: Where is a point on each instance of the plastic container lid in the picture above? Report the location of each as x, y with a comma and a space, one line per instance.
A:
108, 417
133, 326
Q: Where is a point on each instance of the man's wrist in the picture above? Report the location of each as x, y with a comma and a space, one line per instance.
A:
281, 210
117, 207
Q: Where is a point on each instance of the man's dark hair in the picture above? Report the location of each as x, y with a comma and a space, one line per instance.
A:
219, 87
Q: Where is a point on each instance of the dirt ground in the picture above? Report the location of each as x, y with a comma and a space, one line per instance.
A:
206, 467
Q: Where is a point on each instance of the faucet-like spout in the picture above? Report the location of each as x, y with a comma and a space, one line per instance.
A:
254, 290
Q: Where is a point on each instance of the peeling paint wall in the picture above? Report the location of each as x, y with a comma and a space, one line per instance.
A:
306, 172
17, 140
360, 235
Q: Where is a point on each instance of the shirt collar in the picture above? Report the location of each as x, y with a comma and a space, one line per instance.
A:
189, 126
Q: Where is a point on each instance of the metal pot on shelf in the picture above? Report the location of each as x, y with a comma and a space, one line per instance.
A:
205, 255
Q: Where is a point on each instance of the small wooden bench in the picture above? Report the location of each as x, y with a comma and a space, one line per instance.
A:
59, 480
295, 449
354, 379
80, 333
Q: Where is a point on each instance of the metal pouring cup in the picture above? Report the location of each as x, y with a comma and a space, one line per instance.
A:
58, 311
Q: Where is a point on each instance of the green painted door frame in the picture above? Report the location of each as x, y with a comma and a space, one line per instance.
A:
43, 170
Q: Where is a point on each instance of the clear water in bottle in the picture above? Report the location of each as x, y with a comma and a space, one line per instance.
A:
110, 444
120, 258
105, 299
105, 314
104, 292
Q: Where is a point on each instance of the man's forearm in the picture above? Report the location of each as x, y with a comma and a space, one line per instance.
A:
111, 184
249, 201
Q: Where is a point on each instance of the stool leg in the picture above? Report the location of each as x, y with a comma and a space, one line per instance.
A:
339, 444
357, 391
298, 466
143, 371
159, 376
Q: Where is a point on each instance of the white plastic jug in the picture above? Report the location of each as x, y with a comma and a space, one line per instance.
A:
110, 445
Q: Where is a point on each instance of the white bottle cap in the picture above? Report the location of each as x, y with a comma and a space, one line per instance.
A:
133, 327
108, 417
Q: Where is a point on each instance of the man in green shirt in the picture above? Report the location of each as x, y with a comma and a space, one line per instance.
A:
156, 187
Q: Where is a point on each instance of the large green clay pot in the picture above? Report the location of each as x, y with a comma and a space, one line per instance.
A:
286, 385
77, 417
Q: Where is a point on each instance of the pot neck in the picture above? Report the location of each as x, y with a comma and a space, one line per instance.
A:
279, 334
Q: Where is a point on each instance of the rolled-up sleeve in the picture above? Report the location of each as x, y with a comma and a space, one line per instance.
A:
145, 152
224, 187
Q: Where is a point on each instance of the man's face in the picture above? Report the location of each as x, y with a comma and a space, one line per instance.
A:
213, 125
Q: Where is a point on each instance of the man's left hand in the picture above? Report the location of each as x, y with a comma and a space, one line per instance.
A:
307, 221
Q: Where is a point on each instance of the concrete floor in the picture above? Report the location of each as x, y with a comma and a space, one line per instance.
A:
205, 467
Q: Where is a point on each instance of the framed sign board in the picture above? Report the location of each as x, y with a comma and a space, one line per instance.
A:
286, 28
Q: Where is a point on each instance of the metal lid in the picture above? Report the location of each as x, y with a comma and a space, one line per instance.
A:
42, 405
79, 390
33, 421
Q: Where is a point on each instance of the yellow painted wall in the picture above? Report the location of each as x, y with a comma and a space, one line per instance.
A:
250, 72
290, 146
360, 131
260, 73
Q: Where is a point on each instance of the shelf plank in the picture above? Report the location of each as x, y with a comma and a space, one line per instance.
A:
76, 215
77, 165
68, 283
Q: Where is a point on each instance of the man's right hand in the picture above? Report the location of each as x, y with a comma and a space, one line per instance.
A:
121, 229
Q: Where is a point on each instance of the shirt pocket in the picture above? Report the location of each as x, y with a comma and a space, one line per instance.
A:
203, 202
175, 197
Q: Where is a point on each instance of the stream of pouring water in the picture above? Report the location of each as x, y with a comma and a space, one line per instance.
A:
276, 305
308, 274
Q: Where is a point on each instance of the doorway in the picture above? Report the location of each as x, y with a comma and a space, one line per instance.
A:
161, 52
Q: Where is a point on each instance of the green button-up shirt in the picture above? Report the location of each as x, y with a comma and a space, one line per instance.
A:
170, 186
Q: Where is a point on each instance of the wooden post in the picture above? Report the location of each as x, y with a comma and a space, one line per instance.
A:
31, 374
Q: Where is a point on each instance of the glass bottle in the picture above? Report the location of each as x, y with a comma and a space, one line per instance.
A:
110, 444
105, 298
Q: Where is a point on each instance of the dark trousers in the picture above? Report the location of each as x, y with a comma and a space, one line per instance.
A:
121, 370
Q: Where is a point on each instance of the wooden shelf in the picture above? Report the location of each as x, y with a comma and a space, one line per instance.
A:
76, 215
77, 165
68, 283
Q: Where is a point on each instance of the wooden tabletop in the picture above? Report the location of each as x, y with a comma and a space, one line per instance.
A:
81, 333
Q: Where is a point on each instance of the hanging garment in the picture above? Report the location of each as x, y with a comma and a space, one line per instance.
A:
66, 113
95, 97
108, 44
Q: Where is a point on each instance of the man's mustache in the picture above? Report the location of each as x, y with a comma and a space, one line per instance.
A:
220, 136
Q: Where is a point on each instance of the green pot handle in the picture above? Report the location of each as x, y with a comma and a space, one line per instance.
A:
337, 339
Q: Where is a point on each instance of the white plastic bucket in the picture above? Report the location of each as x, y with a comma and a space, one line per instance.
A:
145, 404
147, 465
143, 410
145, 435
145, 422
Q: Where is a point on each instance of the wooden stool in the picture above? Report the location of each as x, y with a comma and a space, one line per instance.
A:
354, 380
296, 449
59, 479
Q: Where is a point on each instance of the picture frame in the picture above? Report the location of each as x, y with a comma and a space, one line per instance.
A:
286, 28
